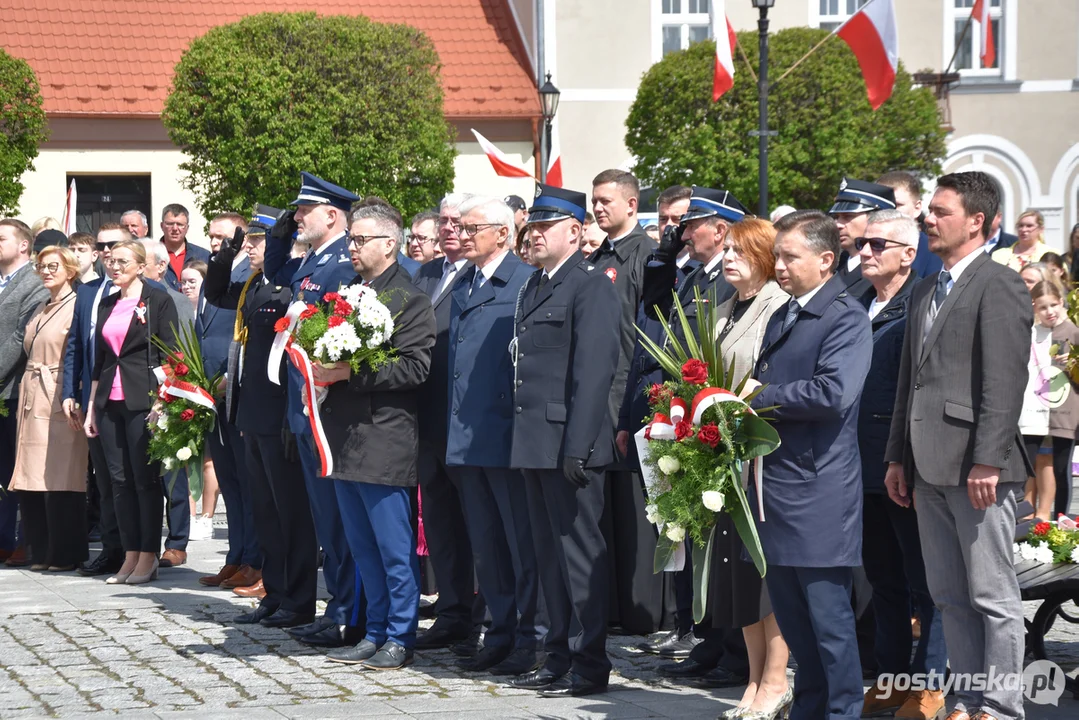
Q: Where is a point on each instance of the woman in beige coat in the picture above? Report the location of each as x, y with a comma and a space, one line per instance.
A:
50, 455
737, 594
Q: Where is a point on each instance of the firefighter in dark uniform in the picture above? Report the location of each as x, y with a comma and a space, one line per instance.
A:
853, 203
565, 349
285, 531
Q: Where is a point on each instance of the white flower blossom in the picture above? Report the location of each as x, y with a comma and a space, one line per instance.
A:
1043, 554
162, 422
1026, 551
676, 533
713, 500
1075, 555
668, 465
167, 463
651, 513
183, 454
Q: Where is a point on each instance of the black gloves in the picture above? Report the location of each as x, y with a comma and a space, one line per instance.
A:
573, 469
670, 245
288, 443
237, 240
284, 228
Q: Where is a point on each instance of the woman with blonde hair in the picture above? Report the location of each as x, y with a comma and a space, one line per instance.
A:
45, 223
737, 593
51, 451
1030, 228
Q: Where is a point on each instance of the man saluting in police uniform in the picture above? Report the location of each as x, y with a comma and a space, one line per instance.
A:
566, 348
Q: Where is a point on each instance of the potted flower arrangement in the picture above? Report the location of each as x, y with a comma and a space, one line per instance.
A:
1051, 542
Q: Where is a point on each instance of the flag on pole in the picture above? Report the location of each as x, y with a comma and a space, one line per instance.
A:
988, 48
726, 40
503, 165
554, 161
69, 209
873, 36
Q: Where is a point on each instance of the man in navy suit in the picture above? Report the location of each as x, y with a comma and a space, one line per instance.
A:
998, 239
214, 327
174, 226
814, 360
480, 433
321, 218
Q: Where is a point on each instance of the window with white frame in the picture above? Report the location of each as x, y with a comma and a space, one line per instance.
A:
684, 22
833, 13
968, 59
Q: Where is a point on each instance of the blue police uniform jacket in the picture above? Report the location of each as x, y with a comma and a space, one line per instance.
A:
480, 366
814, 375
567, 348
309, 279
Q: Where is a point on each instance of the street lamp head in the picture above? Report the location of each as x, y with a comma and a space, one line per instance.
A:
763, 4
549, 99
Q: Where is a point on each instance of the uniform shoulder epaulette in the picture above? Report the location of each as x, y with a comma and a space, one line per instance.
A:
586, 265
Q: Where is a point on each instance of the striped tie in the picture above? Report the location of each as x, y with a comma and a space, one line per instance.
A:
792, 314
939, 297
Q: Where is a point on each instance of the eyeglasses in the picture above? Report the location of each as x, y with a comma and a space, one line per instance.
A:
175, 224
472, 228
50, 267
420, 239
449, 222
358, 241
121, 264
876, 245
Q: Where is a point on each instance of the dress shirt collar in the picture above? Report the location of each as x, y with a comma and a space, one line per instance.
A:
489, 269
962, 265
991, 243
803, 300
5, 279
558, 267
713, 263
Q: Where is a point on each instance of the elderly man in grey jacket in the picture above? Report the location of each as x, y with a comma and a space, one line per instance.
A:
21, 292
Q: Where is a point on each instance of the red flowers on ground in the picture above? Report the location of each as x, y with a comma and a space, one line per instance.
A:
187, 415
309, 311
1042, 528
335, 320
182, 369
683, 429
281, 325
709, 434
695, 372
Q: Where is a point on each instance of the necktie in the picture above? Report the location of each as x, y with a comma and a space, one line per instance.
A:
939, 297
449, 269
542, 281
792, 314
477, 282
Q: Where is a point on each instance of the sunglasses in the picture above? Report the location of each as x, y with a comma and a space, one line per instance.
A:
876, 245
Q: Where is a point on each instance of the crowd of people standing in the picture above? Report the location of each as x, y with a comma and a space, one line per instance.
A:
898, 351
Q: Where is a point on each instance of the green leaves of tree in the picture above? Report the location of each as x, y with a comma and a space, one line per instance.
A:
22, 127
356, 102
826, 127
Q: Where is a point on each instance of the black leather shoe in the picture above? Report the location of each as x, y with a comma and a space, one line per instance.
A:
320, 623
485, 659
353, 655
573, 685
670, 645
333, 637
255, 616
287, 619
720, 677
688, 668
535, 680
439, 637
390, 656
103, 564
468, 647
519, 662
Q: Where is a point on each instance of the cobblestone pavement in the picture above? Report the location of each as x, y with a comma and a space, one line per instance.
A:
74, 647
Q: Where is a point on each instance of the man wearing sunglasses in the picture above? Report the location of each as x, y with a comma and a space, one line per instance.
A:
853, 203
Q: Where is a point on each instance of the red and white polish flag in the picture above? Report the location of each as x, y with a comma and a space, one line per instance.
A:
554, 164
503, 165
874, 37
69, 209
988, 48
726, 40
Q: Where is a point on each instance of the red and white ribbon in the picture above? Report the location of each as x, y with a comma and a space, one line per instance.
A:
281, 342
302, 362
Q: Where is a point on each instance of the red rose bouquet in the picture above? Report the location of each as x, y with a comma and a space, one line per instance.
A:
184, 412
701, 438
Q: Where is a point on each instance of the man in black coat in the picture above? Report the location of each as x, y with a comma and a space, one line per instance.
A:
279, 502
566, 347
853, 203
371, 429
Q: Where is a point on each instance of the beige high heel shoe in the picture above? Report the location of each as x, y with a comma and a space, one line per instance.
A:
142, 579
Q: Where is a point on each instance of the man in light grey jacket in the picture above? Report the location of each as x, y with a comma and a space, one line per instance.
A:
955, 442
21, 292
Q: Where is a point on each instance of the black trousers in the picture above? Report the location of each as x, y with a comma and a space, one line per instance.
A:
1062, 471
55, 525
573, 571
458, 609
110, 531
283, 524
136, 485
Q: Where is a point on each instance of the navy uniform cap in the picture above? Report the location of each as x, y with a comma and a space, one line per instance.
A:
709, 202
858, 196
262, 219
555, 203
316, 191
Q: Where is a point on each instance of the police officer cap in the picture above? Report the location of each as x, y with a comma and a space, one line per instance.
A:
555, 203
262, 220
858, 196
316, 191
709, 202
516, 202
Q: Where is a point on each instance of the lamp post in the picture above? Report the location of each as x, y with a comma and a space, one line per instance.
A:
548, 106
762, 132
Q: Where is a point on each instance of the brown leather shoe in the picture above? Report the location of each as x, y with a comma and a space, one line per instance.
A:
246, 576
19, 558
256, 591
881, 702
958, 714
172, 558
922, 705
222, 575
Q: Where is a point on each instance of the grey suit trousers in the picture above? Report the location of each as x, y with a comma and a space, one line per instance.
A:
969, 567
